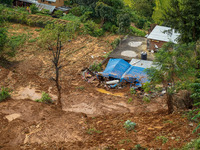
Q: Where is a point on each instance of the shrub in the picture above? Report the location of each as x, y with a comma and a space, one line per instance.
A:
96, 67
33, 9
193, 145
132, 91
130, 100
45, 98
4, 94
129, 125
58, 13
70, 17
115, 43
114, 29
45, 11
136, 32
93, 29
107, 26
163, 138
146, 99
3, 38
85, 16
76, 11
140, 23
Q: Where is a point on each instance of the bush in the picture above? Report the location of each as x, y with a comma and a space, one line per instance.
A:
45, 11
93, 29
45, 98
128, 125
58, 13
140, 23
4, 94
193, 145
34, 9
3, 38
136, 32
76, 11
107, 26
115, 43
114, 29
96, 67
85, 16
146, 99
70, 17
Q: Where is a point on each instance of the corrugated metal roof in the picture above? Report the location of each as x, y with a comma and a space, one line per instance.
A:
45, 6
30, 1
161, 33
51, 1
142, 63
63, 8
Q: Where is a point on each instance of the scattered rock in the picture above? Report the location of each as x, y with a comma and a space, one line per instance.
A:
12, 116
191, 124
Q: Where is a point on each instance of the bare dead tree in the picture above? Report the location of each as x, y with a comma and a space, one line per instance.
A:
56, 57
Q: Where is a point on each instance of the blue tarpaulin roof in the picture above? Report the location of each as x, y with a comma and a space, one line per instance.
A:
120, 69
115, 68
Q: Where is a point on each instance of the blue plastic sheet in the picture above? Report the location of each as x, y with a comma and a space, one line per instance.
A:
115, 68
120, 69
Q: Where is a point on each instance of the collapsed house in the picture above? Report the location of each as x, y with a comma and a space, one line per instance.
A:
118, 72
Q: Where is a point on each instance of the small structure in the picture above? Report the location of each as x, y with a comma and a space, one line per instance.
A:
57, 3
50, 5
24, 3
119, 69
160, 35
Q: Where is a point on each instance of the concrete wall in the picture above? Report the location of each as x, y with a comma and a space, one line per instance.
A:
152, 43
58, 3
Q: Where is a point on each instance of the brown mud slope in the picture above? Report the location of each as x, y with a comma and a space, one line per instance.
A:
89, 119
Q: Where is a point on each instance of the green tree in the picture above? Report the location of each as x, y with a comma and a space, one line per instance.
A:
175, 68
124, 22
144, 7
105, 12
159, 10
183, 15
7, 2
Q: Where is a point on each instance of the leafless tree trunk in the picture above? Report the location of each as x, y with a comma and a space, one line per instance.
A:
169, 102
56, 57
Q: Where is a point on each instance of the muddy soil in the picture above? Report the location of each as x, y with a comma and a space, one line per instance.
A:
26, 124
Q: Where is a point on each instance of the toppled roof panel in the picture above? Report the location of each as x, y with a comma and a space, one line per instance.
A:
45, 6
165, 34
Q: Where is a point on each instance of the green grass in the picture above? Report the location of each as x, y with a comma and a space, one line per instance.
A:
32, 40
45, 98
80, 87
124, 141
70, 17
93, 130
162, 138
4, 94
130, 100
